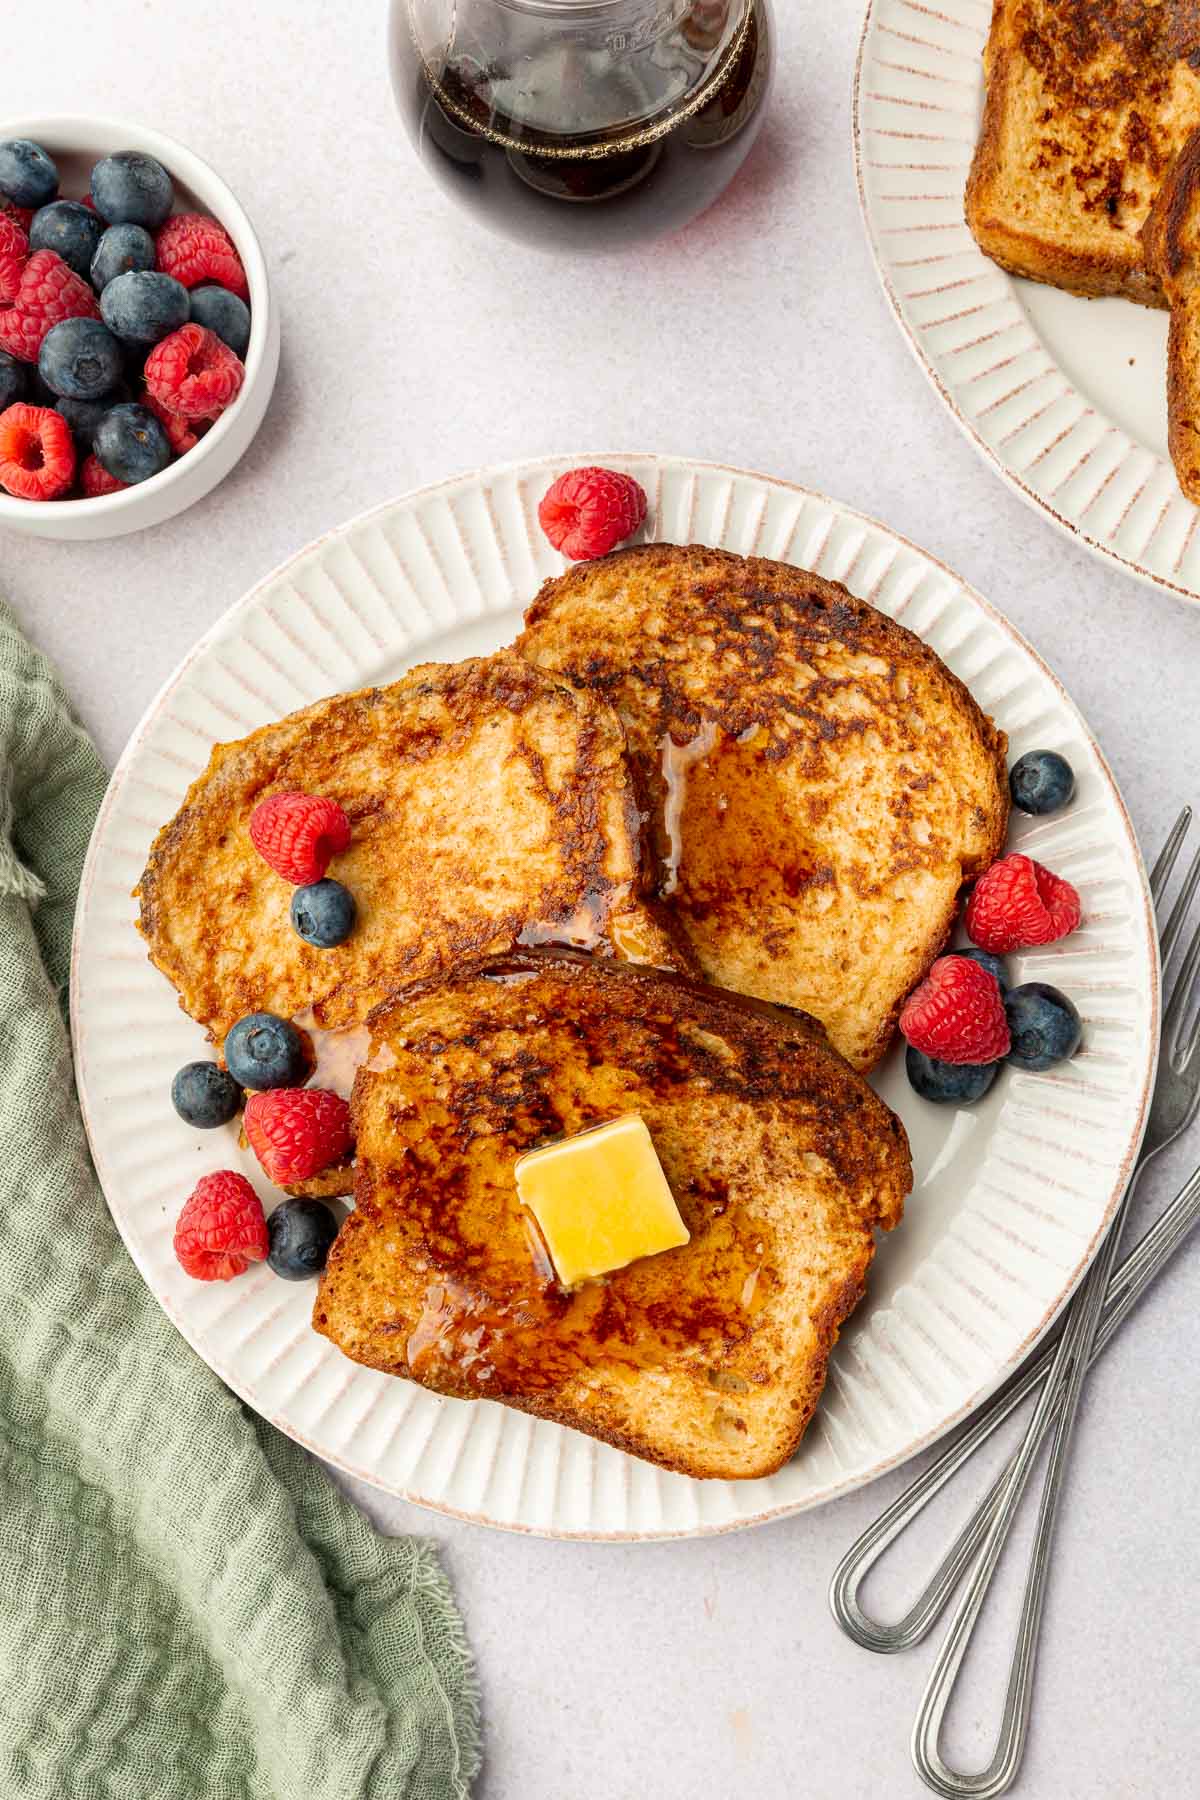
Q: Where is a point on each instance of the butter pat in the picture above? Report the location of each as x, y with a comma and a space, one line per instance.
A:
600, 1199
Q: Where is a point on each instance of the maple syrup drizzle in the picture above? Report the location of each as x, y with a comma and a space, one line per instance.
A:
677, 763
338, 1055
531, 1334
584, 929
678, 760
603, 921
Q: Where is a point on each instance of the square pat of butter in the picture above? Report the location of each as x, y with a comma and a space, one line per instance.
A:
600, 1199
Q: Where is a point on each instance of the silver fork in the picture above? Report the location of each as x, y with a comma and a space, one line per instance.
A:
1086, 1331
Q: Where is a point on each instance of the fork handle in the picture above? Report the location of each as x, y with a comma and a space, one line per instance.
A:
851, 1573
1153, 1251
1061, 1394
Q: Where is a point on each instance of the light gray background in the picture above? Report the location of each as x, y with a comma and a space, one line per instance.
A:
414, 347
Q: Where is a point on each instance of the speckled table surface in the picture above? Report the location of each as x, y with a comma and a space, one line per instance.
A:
414, 347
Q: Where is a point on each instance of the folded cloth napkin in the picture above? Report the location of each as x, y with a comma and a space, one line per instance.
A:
189, 1607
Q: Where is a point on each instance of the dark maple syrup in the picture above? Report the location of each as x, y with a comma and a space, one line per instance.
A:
579, 142
538, 1064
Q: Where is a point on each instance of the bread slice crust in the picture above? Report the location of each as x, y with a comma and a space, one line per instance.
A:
708, 1359
1171, 238
821, 785
1087, 104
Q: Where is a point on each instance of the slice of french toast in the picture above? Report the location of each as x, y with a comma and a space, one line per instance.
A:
709, 1358
489, 803
1088, 102
821, 785
1171, 237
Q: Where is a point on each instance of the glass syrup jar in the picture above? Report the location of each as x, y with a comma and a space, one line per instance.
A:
582, 124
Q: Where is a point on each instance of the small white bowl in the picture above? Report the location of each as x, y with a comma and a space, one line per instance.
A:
76, 144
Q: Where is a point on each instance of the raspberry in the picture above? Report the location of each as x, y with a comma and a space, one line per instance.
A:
37, 452
20, 215
1017, 903
297, 1132
183, 433
95, 480
588, 512
48, 293
957, 1014
298, 833
221, 1229
193, 373
193, 248
14, 248
50, 290
20, 334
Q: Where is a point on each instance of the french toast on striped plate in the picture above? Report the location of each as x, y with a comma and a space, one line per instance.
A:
708, 1358
821, 785
1085, 171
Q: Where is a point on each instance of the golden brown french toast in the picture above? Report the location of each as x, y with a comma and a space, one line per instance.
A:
708, 1358
1171, 237
821, 785
489, 803
1088, 103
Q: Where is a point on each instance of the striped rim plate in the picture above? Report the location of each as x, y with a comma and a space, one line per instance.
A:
1010, 1200
1065, 397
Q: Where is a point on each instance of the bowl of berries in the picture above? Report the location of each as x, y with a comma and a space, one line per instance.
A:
139, 341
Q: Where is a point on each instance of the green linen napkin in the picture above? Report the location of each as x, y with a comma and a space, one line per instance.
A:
188, 1606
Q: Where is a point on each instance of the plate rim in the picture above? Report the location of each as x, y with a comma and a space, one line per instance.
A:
531, 466
1106, 552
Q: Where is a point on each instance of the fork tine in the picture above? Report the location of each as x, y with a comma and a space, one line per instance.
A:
1183, 992
1179, 912
1160, 874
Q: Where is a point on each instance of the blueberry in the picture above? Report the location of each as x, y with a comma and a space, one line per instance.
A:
12, 380
301, 1234
1045, 1027
225, 314
144, 306
1041, 781
69, 228
948, 1084
323, 913
84, 416
263, 1051
120, 249
988, 960
204, 1095
80, 359
132, 189
131, 444
27, 175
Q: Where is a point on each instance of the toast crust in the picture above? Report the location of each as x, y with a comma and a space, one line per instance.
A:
1087, 103
486, 801
821, 784
1171, 238
708, 1359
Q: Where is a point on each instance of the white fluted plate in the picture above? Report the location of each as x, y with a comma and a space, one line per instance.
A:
1011, 1198
1066, 397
